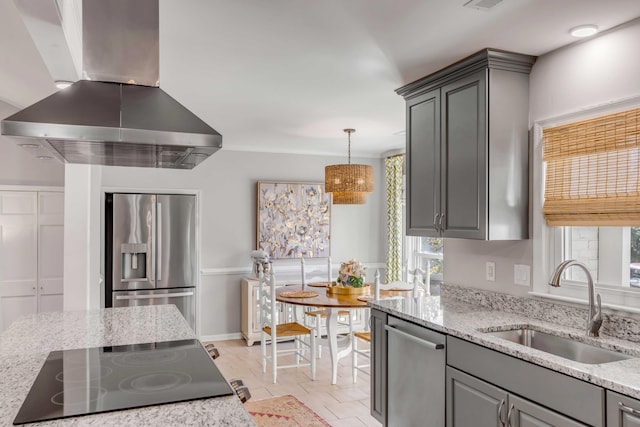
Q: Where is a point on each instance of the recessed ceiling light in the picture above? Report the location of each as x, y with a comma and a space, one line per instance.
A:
45, 157
63, 84
584, 30
30, 146
482, 4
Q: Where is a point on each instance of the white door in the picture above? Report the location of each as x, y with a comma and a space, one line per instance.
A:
50, 250
18, 255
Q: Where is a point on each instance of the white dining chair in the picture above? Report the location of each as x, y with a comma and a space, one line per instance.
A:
304, 337
356, 352
316, 318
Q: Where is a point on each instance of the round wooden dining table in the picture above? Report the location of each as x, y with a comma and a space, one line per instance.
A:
334, 303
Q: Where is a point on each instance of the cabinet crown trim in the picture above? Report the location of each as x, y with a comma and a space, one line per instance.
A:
485, 59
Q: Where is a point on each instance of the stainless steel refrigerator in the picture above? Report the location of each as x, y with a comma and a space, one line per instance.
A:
150, 251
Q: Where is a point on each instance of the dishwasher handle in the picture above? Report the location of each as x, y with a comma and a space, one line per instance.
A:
430, 345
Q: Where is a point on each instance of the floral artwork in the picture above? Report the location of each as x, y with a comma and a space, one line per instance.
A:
294, 220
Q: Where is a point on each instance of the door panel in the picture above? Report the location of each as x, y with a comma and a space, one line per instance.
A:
133, 243
472, 402
423, 164
184, 299
622, 411
464, 141
18, 255
528, 414
50, 302
51, 258
176, 241
12, 308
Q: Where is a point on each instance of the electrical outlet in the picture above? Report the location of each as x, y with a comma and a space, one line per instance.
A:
490, 271
522, 274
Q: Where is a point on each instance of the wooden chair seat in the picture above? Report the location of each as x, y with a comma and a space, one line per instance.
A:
288, 330
324, 313
365, 336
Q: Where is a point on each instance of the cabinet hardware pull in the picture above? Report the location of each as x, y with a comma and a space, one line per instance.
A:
627, 409
509, 414
500, 412
435, 221
425, 343
440, 221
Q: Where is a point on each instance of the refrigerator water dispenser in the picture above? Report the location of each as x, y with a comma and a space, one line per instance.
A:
134, 261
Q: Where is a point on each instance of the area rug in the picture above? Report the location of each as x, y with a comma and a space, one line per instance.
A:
283, 411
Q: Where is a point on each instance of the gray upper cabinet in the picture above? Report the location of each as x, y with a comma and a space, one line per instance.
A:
467, 149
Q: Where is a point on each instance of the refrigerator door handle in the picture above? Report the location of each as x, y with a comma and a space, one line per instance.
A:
159, 243
152, 296
151, 255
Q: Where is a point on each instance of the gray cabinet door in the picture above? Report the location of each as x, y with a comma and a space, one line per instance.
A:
622, 411
472, 402
524, 413
464, 157
423, 164
379, 366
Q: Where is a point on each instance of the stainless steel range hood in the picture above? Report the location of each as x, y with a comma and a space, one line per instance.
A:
116, 115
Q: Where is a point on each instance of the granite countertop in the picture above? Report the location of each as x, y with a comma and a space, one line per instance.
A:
27, 342
470, 321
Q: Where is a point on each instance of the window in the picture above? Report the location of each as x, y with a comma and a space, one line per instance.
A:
425, 253
590, 204
407, 252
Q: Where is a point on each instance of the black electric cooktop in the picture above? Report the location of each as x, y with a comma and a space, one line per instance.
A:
102, 379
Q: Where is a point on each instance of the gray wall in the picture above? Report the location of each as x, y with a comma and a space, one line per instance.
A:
19, 167
584, 75
227, 182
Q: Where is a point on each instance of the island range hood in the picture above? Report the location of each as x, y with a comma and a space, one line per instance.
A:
117, 115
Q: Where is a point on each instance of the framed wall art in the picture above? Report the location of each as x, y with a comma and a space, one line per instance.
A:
293, 220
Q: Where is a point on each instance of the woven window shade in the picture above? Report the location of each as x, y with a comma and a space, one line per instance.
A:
592, 175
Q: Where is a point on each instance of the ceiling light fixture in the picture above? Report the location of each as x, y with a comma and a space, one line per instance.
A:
584, 30
30, 146
63, 84
349, 183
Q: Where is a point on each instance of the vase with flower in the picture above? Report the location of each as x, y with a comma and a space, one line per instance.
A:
350, 279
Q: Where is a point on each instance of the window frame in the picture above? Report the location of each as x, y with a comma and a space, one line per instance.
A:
547, 241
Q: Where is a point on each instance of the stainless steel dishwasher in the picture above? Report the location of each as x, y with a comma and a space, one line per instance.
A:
416, 363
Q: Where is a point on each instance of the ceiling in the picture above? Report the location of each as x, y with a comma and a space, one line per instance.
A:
289, 75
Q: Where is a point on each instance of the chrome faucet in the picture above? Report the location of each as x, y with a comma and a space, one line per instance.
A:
594, 320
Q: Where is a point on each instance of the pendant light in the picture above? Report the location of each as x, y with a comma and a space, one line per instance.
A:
349, 183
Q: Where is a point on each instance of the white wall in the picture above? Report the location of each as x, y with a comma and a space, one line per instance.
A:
19, 167
227, 185
577, 77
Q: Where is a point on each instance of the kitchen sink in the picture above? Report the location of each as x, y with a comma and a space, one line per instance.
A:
561, 346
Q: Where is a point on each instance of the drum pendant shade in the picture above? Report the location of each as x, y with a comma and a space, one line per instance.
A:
349, 183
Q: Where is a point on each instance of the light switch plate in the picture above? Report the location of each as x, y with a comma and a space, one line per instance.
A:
522, 274
490, 271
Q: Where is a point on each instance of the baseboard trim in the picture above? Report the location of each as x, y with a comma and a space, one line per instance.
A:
221, 337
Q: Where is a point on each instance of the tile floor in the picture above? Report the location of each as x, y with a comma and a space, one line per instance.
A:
343, 404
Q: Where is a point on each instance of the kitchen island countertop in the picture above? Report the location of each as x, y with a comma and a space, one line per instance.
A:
27, 342
470, 322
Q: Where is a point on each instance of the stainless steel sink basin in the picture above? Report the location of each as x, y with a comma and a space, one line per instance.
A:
560, 346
